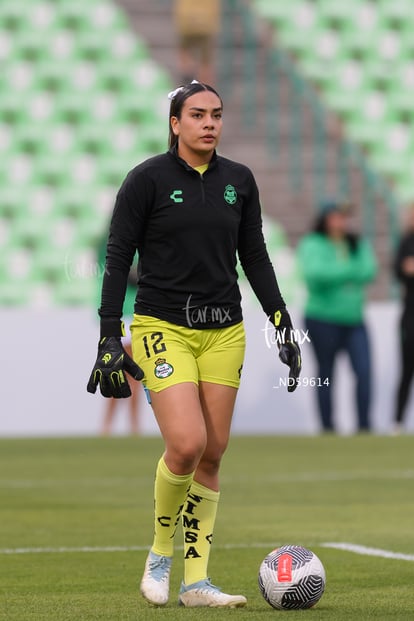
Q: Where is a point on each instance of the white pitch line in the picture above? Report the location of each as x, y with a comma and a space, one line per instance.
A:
347, 547
366, 551
65, 550
298, 477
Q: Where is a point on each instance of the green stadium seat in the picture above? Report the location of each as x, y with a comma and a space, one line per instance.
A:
112, 171
20, 266
30, 46
106, 17
388, 165
401, 100
324, 45
73, 200
73, 15
43, 16
7, 144
342, 102
104, 107
83, 170
12, 197
361, 43
6, 47
19, 169
74, 108
17, 77
52, 264
109, 78
398, 138
96, 140
29, 231
6, 234
13, 16
40, 201
12, 110
124, 46
62, 45
40, 107
49, 171
380, 73
91, 46
338, 11
31, 140
75, 292
396, 11
55, 77
363, 131
90, 228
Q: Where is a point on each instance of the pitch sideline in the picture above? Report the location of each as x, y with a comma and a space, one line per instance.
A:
346, 547
367, 551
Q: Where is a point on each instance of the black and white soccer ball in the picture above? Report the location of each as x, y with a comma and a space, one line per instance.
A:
292, 577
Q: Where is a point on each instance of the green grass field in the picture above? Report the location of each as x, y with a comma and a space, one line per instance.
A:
76, 521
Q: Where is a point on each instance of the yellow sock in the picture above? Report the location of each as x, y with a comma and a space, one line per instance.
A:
198, 517
169, 495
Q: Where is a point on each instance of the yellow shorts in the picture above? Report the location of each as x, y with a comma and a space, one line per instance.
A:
170, 354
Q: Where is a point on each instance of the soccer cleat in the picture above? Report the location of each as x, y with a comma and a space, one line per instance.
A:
203, 593
155, 583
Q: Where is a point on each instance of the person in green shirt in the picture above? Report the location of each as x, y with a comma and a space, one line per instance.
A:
337, 265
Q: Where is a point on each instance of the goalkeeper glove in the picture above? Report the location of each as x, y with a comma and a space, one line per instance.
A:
289, 351
110, 367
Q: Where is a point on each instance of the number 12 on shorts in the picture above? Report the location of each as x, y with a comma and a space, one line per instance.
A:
155, 343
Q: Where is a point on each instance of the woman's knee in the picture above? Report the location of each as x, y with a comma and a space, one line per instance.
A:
184, 455
211, 459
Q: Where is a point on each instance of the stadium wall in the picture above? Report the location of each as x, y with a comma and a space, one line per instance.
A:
47, 358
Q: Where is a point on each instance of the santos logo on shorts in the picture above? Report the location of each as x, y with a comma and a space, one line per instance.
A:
163, 368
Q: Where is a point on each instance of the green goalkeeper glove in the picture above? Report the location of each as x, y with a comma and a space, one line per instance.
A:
110, 367
289, 351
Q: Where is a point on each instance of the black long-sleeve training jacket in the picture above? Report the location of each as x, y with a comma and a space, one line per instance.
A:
188, 229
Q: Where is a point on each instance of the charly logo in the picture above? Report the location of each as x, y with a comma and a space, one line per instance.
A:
163, 368
176, 196
230, 194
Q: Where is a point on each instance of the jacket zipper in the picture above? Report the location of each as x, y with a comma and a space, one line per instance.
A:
203, 193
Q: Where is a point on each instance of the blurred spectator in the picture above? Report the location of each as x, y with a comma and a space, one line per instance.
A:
404, 271
197, 25
112, 405
337, 265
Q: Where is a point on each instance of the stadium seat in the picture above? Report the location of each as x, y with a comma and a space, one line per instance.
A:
17, 77
11, 198
13, 17
396, 12
73, 16
7, 144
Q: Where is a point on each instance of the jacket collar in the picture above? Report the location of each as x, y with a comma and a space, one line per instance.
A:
174, 152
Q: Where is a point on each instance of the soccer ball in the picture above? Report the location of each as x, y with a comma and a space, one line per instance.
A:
292, 577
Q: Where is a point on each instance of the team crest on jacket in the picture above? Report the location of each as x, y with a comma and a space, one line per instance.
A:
230, 194
163, 368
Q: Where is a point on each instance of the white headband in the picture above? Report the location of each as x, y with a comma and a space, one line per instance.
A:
174, 93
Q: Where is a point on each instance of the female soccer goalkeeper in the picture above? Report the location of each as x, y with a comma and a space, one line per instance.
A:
188, 212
